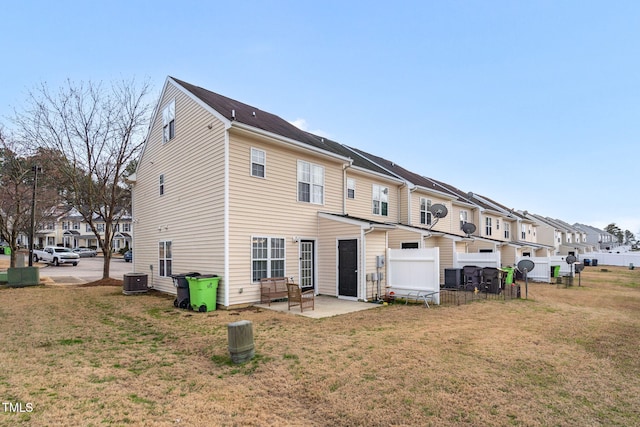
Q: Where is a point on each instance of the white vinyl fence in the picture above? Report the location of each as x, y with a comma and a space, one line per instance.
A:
542, 269
417, 269
617, 259
479, 259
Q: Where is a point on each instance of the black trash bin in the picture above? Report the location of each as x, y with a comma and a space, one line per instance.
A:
182, 287
587, 262
594, 262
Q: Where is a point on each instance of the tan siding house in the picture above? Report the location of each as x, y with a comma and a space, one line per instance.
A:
228, 189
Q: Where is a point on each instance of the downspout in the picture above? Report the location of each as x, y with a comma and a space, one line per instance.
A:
409, 207
363, 276
344, 186
226, 220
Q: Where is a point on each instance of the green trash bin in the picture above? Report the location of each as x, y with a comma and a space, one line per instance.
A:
203, 292
555, 271
509, 271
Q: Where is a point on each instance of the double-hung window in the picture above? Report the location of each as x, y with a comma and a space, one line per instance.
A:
310, 183
258, 162
464, 215
161, 184
425, 213
169, 121
267, 257
380, 200
487, 226
164, 258
507, 230
523, 232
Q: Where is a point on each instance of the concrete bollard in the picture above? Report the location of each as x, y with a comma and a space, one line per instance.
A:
241, 345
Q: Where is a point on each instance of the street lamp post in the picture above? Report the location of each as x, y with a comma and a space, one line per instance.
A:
35, 169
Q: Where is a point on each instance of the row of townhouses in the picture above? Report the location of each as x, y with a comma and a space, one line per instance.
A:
226, 188
65, 226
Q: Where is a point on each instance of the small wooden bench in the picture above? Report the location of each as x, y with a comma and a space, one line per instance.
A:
407, 294
272, 288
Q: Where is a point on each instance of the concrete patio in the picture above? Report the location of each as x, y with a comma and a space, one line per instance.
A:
325, 306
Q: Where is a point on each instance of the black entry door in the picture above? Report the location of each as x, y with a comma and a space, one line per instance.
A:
348, 268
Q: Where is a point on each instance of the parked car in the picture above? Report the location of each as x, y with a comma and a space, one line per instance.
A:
56, 255
85, 252
128, 256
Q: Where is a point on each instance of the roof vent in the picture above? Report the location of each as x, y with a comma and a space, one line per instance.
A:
233, 114
253, 113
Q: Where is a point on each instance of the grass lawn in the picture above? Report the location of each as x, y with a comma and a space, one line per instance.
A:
92, 356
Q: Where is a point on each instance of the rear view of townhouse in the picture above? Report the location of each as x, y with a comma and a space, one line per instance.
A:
226, 188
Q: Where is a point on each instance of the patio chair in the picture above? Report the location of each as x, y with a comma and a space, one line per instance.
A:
295, 297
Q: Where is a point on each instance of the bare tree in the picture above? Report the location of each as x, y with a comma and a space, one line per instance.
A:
99, 130
16, 193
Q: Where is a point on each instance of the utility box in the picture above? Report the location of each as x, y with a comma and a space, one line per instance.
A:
134, 283
453, 277
23, 276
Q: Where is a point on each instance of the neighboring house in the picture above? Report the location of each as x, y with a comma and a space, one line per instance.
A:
66, 227
600, 239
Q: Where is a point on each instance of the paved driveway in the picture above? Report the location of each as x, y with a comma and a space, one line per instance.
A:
87, 270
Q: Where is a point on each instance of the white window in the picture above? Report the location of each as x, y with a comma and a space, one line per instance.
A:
488, 226
258, 162
100, 227
87, 228
464, 215
161, 184
351, 188
76, 225
310, 183
126, 227
65, 225
425, 213
164, 258
380, 200
267, 257
507, 230
497, 223
116, 228
169, 122
523, 232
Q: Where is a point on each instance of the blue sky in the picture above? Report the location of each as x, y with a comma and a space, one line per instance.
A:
535, 104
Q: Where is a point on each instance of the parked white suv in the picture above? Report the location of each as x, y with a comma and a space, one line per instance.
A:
56, 255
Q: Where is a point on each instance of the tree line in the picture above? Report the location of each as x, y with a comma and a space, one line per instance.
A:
84, 138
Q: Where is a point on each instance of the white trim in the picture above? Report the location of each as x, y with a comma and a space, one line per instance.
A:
357, 222
223, 119
225, 279
307, 147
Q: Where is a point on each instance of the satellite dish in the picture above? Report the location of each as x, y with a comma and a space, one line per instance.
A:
468, 228
570, 259
525, 265
439, 210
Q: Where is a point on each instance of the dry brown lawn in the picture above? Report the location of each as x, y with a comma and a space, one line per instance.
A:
92, 356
